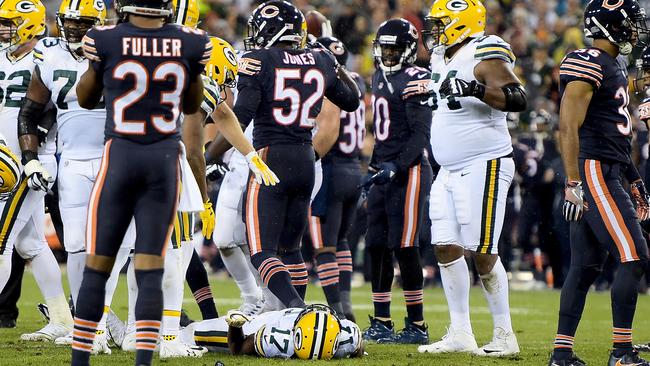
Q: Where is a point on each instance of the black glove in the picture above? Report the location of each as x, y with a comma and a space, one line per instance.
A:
215, 171
454, 87
385, 174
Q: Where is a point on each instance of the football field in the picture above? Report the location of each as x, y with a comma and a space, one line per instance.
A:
534, 319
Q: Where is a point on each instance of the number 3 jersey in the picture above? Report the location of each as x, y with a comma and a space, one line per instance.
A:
465, 130
606, 133
80, 131
146, 73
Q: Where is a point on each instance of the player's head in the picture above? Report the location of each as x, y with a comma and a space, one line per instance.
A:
621, 22
75, 18
336, 47
450, 22
395, 45
186, 12
222, 66
9, 171
144, 8
351, 343
642, 81
316, 333
20, 22
276, 22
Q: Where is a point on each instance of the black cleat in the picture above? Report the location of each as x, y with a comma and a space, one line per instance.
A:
573, 360
642, 347
378, 330
629, 359
185, 319
7, 323
411, 334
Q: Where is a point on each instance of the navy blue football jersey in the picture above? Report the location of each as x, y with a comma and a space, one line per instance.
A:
606, 133
282, 91
145, 74
352, 130
402, 113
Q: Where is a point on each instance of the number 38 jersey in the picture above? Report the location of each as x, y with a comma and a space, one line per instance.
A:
80, 131
15, 76
465, 130
606, 133
352, 131
146, 73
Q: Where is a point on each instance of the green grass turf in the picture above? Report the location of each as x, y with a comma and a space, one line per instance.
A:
534, 318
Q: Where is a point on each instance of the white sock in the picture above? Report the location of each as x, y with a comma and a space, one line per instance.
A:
172, 287
59, 311
188, 250
101, 326
75, 268
48, 277
495, 288
5, 268
120, 259
235, 261
132, 285
455, 281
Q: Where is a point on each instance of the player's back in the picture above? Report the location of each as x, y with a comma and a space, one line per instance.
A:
145, 72
606, 133
352, 131
390, 95
292, 83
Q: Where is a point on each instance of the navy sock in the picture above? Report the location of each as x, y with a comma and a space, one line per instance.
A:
148, 312
276, 277
382, 280
412, 281
344, 259
328, 274
298, 271
197, 279
87, 314
624, 296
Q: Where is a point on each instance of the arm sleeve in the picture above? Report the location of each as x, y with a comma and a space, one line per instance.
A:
249, 89
203, 56
418, 115
338, 92
91, 49
631, 174
575, 68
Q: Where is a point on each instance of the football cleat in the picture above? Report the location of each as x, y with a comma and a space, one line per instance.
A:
503, 344
175, 348
378, 330
128, 342
411, 334
252, 309
100, 343
573, 360
7, 323
629, 359
66, 340
48, 333
453, 341
642, 347
115, 328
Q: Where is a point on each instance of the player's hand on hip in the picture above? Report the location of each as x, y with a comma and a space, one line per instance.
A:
38, 178
263, 174
385, 174
454, 87
574, 204
640, 198
207, 219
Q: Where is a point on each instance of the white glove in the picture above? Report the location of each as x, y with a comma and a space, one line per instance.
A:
263, 174
38, 178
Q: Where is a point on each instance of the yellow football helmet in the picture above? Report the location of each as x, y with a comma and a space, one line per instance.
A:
20, 21
9, 171
452, 21
222, 66
316, 333
76, 17
186, 12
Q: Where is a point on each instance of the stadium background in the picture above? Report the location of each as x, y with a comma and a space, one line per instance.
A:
534, 245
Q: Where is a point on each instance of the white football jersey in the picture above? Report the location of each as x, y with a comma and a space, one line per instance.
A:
274, 337
80, 131
466, 130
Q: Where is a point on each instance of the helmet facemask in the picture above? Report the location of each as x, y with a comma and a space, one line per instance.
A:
390, 57
631, 32
433, 34
72, 30
9, 37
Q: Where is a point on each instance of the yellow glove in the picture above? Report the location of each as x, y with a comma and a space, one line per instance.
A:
263, 174
207, 219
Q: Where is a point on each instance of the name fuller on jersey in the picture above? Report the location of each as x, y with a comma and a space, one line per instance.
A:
151, 47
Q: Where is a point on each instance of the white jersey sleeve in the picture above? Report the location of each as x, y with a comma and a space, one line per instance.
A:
349, 339
275, 338
493, 47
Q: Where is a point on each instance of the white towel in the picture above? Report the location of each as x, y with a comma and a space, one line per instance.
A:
190, 198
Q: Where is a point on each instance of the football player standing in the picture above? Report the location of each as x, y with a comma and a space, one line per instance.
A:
473, 78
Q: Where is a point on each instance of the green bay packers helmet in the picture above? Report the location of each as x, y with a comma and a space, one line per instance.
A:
222, 66
9, 171
316, 333
20, 22
452, 21
186, 12
76, 17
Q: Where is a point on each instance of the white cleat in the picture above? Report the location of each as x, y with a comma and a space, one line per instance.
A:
48, 333
503, 344
100, 344
128, 342
116, 328
453, 341
176, 348
253, 309
66, 340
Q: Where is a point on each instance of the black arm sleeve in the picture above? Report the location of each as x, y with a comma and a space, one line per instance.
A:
419, 119
343, 96
631, 174
248, 99
47, 120
31, 112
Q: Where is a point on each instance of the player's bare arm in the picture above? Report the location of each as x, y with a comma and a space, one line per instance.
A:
503, 90
230, 129
193, 140
573, 109
328, 121
193, 96
89, 89
238, 343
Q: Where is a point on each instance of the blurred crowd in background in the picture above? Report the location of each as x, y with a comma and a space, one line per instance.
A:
535, 240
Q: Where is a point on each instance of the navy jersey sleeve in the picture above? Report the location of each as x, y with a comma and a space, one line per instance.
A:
248, 87
416, 96
92, 49
581, 66
337, 91
203, 52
